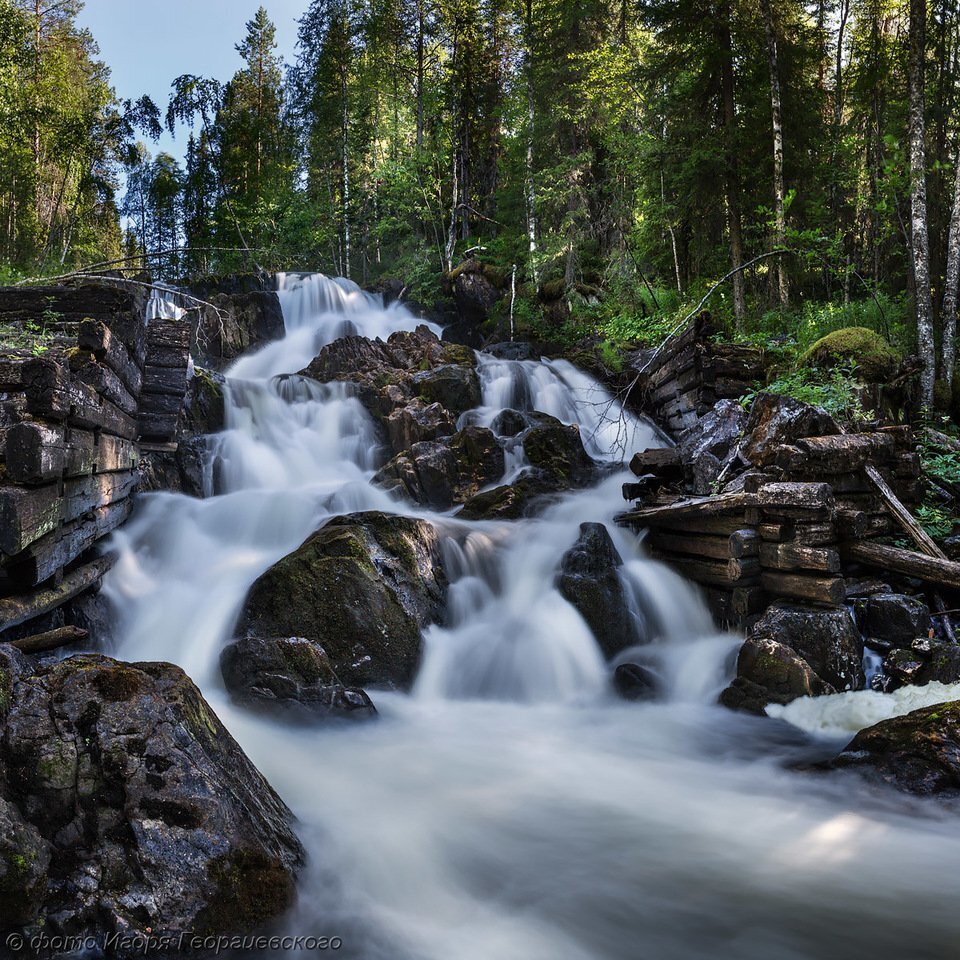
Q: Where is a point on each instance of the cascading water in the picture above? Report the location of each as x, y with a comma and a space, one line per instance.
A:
510, 808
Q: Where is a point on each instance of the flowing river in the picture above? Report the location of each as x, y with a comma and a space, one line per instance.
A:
510, 808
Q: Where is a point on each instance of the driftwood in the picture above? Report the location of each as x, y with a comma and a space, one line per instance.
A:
51, 640
903, 516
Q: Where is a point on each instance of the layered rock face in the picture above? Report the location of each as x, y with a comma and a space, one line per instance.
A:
126, 805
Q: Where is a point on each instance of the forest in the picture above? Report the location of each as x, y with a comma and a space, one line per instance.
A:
617, 157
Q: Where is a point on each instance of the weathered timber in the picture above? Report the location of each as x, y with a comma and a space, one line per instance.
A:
50, 640
98, 338
795, 498
903, 517
50, 554
776, 532
743, 568
711, 547
746, 601
701, 525
795, 556
744, 543
26, 514
851, 524
166, 380
107, 384
798, 586
696, 507
945, 573
158, 426
84, 494
21, 609
91, 411
711, 572
814, 534
115, 453
35, 453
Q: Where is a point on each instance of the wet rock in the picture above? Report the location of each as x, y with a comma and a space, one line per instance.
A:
827, 639
902, 667
633, 681
918, 753
473, 291
362, 587
204, 410
894, 619
508, 423
455, 387
122, 777
418, 421
527, 497
924, 662
175, 471
515, 350
444, 473
556, 450
771, 672
291, 676
589, 579
775, 419
707, 447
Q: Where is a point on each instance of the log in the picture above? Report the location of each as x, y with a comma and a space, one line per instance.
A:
903, 517
167, 336
115, 453
815, 534
91, 411
711, 547
847, 451
798, 586
51, 640
26, 514
776, 532
35, 453
693, 508
104, 381
703, 525
168, 380
712, 572
910, 563
795, 556
20, 609
88, 493
98, 339
744, 543
746, 601
851, 524
46, 385
795, 499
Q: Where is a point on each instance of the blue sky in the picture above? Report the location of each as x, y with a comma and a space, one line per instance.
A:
146, 43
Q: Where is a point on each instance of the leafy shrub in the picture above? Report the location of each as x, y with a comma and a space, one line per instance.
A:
837, 391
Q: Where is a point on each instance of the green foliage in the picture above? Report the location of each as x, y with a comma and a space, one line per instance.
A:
837, 391
936, 520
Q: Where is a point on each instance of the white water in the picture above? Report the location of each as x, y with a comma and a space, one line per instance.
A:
511, 808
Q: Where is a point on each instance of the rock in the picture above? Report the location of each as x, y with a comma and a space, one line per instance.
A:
151, 814
771, 672
362, 587
515, 350
473, 292
923, 663
894, 619
508, 423
204, 405
902, 667
633, 681
528, 496
876, 361
918, 753
589, 579
775, 419
711, 443
444, 473
827, 639
556, 450
455, 387
177, 471
292, 676
418, 421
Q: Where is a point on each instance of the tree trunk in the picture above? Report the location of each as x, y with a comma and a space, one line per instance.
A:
780, 223
420, 69
918, 202
734, 219
949, 312
346, 175
531, 116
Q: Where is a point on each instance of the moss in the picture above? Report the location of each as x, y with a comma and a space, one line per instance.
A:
118, 683
876, 361
552, 290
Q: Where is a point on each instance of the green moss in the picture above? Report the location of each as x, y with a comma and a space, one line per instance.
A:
552, 289
876, 361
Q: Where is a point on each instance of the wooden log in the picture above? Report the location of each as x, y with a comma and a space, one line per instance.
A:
744, 543
851, 524
35, 453
795, 498
159, 403
945, 573
46, 385
104, 381
98, 339
167, 335
711, 547
847, 451
902, 515
815, 534
93, 412
744, 568
166, 380
155, 427
115, 453
697, 507
655, 460
727, 388
84, 494
710, 572
746, 601
826, 590
27, 514
50, 640
21, 609
796, 556
50, 554
702, 525
776, 532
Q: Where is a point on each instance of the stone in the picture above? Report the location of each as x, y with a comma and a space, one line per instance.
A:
875, 360
528, 496
708, 446
416, 422
556, 450
918, 753
204, 404
894, 618
454, 387
290, 676
827, 639
589, 580
775, 419
362, 587
633, 681
924, 662
474, 293
122, 777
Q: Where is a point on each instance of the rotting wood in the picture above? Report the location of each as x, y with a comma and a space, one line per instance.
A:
49, 640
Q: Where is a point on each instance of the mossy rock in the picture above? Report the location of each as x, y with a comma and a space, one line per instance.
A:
876, 361
552, 290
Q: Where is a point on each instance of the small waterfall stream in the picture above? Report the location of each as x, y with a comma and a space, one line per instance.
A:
509, 807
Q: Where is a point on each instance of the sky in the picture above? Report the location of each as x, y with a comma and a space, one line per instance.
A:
147, 43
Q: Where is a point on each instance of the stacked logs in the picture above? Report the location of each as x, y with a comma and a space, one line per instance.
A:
165, 375
690, 374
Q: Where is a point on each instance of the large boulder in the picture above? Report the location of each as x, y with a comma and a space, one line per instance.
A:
923, 662
362, 587
121, 779
774, 420
589, 579
876, 361
473, 291
446, 472
454, 386
827, 639
528, 496
770, 672
291, 676
708, 446
918, 753
889, 620
556, 450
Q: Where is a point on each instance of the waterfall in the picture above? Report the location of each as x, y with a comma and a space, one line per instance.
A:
510, 807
